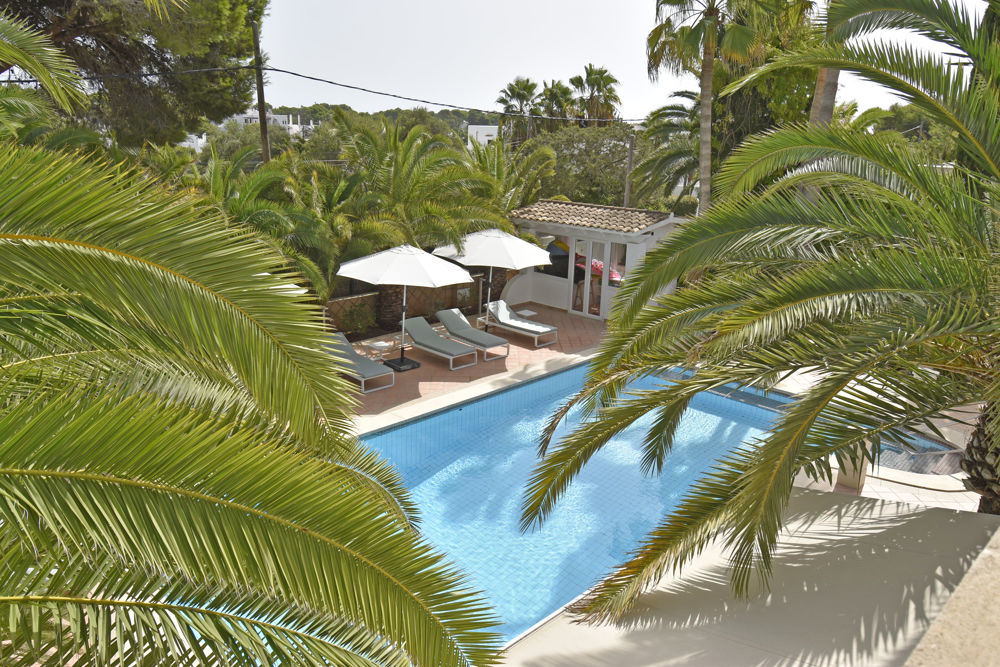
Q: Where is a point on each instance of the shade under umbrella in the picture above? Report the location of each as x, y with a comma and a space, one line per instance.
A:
404, 265
493, 247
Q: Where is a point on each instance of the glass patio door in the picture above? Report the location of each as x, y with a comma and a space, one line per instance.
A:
589, 278
597, 280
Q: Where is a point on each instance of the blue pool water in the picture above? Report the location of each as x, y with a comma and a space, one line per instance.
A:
467, 466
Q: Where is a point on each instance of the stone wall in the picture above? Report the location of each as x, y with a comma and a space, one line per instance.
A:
425, 301
387, 302
341, 311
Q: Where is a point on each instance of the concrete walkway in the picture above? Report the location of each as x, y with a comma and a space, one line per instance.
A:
857, 581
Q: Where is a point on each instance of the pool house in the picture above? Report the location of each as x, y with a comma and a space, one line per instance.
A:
603, 242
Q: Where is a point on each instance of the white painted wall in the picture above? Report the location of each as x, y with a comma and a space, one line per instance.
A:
556, 292
538, 287
519, 289
484, 134
634, 252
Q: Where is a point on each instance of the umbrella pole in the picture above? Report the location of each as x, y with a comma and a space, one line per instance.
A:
402, 364
402, 334
489, 296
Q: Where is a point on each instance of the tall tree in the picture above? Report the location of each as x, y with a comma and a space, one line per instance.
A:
691, 35
555, 100
179, 483
827, 82
873, 269
519, 97
417, 183
233, 138
591, 163
517, 173
120, 40
597, 97
673, 130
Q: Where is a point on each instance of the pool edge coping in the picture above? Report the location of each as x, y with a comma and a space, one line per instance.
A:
426, 406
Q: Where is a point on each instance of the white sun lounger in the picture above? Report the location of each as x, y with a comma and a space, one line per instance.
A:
504, 318
425, 338
458, 327
359, 367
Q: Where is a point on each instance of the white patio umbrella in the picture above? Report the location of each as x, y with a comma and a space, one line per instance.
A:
404, 265
493, 247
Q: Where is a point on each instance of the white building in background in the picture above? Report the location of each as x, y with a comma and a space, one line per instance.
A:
195, 142
296, 128
484, 134
292, 123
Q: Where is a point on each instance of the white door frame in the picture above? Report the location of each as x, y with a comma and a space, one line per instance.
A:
585, 288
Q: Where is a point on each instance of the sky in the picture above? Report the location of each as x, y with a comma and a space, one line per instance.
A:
464, 52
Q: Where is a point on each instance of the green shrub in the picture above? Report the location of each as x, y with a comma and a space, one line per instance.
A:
684, 207
357, 318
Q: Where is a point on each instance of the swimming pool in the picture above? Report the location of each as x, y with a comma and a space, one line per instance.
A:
466, 468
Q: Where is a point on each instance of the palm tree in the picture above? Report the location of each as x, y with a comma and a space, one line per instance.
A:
674, 161
555, 101
239, 191
836, 252
520, 97
416, 183
178, 483
33, 54
325, 228
170, 164
516, 173
241, 194
691, 35
596, 95
827, 81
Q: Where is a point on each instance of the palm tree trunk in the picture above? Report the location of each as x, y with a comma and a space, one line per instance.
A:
825, 97
705, 134
980, 464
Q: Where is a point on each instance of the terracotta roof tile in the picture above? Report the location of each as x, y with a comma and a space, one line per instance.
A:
596, 216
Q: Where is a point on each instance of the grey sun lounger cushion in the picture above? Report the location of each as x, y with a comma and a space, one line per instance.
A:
358, 366
458, 327
425, 338
505, 318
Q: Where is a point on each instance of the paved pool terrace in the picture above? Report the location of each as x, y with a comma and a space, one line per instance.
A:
433, 386
869, 579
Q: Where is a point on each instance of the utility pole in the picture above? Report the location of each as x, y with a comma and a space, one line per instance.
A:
265, 147
628, 169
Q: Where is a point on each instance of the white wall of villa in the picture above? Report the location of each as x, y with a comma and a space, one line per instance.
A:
610, 254
484, 134
292, 123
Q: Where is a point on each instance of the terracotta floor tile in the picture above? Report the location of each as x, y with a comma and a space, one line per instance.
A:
576, 333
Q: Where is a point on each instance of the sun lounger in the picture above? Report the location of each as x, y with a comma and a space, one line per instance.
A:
359, 367
503, 317
458, 327
426, 339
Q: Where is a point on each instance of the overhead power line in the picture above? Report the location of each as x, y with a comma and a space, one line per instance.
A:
461, 107
144, 75
438, 104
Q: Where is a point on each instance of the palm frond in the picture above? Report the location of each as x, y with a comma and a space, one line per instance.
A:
29, 50
156, 491
836, 252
